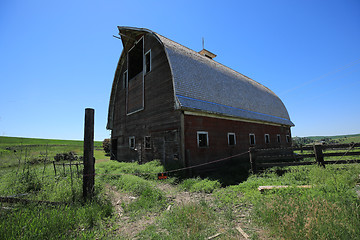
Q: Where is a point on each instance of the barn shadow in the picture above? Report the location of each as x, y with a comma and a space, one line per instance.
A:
229, 172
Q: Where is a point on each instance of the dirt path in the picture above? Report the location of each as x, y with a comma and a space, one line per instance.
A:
129, 227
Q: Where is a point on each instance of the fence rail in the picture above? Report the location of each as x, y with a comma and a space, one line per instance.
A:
76, 164
281, 157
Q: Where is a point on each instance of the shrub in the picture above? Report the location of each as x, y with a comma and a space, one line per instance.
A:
69, 156
107, 145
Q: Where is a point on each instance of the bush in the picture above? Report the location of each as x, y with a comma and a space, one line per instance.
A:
107, 145
69, 156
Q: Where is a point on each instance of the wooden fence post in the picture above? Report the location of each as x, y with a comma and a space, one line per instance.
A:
89, 163
252, 154
319, 155
54, 167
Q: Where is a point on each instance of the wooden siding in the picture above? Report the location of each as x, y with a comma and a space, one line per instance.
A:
158, 119
218, 130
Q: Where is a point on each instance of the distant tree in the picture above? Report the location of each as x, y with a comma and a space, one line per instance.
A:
300, 141
107, 145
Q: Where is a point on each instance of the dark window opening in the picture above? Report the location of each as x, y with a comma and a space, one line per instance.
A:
252, 139
132, 142
231, 139
278, 138
148, 61
203, 140
147, 142
287, 138
267, 138
113, 150
135, 59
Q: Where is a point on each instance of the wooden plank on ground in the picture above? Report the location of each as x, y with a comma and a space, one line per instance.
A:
264, 188
242, 232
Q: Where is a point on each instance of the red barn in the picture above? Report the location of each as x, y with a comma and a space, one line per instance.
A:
171, 103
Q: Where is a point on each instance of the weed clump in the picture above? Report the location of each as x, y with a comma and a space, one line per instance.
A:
149, 198
199, 185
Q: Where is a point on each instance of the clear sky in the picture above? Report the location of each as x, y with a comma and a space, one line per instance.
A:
59, 57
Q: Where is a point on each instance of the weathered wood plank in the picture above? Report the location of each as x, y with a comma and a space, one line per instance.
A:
342, 161
341, 154
264, 188
284, 164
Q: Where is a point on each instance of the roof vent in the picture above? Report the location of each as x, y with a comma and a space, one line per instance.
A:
207, 53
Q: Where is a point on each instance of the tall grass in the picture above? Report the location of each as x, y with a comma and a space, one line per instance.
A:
60, 222
72, 219
111, 169
329, 210
199, 185
134, 178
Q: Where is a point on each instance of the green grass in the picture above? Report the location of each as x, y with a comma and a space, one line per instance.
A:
348, 138
148, 170
14, 150
329, 210
192, 221
339, 139
73, 219
199, 185
60, 222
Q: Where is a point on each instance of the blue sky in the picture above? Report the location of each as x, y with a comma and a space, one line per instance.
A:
59, 57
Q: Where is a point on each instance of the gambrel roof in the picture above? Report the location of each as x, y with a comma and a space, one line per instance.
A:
202, 84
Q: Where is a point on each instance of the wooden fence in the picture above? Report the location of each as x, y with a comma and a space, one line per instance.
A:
281, 157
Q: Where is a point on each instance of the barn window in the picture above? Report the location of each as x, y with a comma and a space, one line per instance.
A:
252, 138
287, 138
132, 142
267, 138
125, 79
231, 139
202, 139
135, 59
278, 138
147, 142
148, 61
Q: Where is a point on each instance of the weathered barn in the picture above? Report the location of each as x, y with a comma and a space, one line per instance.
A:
171, 103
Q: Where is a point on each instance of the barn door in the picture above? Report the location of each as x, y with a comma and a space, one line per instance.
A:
113, 151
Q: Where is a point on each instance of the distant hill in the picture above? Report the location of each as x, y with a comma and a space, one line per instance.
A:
327, 139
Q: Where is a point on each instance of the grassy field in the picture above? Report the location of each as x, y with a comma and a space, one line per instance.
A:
130, 203
14, 150
341, 138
